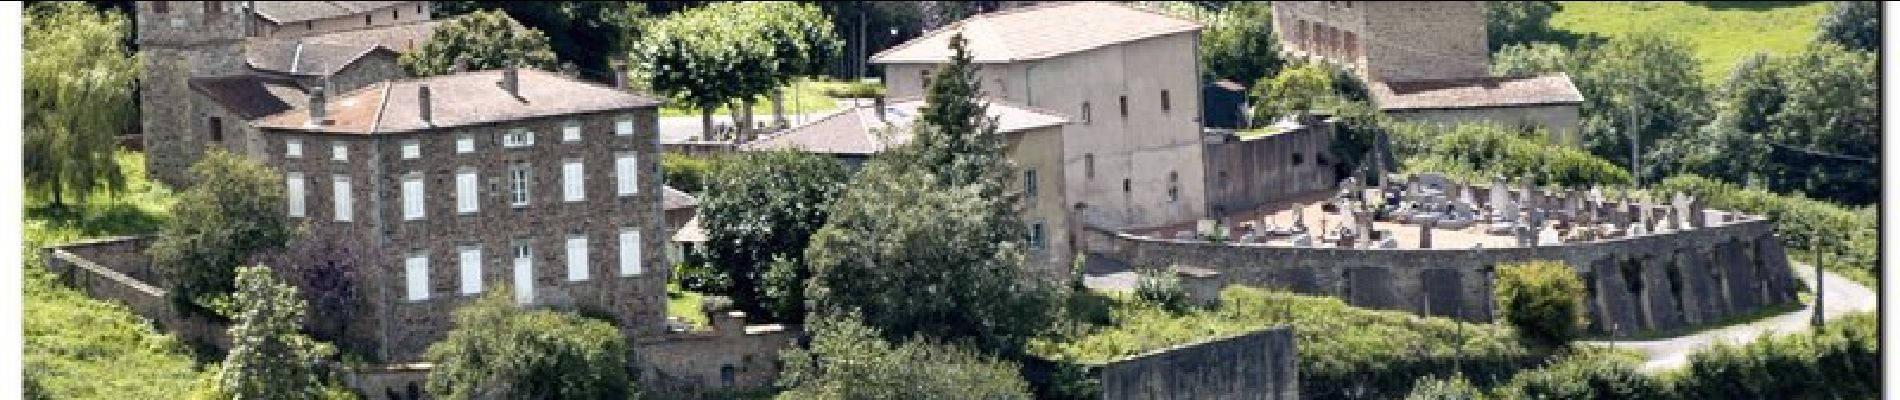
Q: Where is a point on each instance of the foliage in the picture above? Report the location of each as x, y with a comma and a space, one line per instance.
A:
1293, 90
687, 172
849, 359
500, 350
1161, 288
1454, 388
1852, 24
765, 205
233, 211
1237, 41
850, 90
1512, 22
77, 87
1852, 234
323, 264
1719, 33
812, 96
479, 40
77, 347
1839, 361
1808, 122
1543, 299
585, 32
1530, 59
1586, 374
1648, 79
1484, 151
1343, 349
700, 277
268, 358
685, 305
707, 58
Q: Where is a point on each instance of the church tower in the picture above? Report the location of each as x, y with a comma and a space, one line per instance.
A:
181, 40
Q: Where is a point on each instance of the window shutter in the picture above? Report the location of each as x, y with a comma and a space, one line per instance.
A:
465, 200
577, 258
573, 189
341, 194
471, 270
524, 274
629, 252
416, 269
412, 198
293, 148
571, 133
293, 189
627, 174
623, 127
411, 149
464, 144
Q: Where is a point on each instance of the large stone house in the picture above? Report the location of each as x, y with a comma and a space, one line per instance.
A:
1427, 61
1127, 79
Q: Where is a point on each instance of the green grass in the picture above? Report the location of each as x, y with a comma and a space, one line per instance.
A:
1720, 32
83, 348
685, 304
803, 96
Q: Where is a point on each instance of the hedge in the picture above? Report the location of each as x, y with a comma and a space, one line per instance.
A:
1798, 220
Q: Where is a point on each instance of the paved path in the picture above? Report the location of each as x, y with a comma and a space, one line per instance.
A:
1840, 296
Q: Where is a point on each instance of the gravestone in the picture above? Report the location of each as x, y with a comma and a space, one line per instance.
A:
1425, 229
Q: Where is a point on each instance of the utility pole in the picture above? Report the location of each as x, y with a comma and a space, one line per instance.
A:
1819, 317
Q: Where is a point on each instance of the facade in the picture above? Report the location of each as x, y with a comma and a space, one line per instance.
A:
1548, 101
1033, 140
1128, 80
303, 18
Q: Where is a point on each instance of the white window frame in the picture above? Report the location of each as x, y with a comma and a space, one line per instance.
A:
411, 149
339, 151
630, 249
517, 138
340, 192
464, 143
623, 126
573, 180
577, 258
414, 201
627, 174
293, 148
467, 191
470, 258
523, 257
571, 132
416, 275
294, 191
520, 185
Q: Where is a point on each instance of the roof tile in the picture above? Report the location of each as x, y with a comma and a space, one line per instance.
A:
1476, 92
1038, 32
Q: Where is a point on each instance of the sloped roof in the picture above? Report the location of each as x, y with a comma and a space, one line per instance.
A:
1038, 32
469, 98
284, 12
856, 130
1476, 93
674, 199
250, 97
324, 54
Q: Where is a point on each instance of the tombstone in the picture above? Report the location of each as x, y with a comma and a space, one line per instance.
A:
1364, 218
1425, 223
1299, 217
1499, 196
1697, 217
1302, 240
1388, 243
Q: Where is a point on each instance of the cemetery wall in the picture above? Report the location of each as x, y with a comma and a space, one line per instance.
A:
1243, 174
1257, 365
1650, 282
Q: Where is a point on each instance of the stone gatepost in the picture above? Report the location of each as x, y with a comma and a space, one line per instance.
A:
1425, 223
1201, 284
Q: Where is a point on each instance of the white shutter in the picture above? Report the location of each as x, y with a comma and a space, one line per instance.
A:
411, 149
524, 274
412, 198
340, 152
572, 187
571, 132
416, 269
465, 200
293, 189
341, 194
464, 144
629, 252
471, 270
293, 148
576, 258
623, 127
626, 174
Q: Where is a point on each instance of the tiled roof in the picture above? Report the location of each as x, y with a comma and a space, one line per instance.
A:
1038, 32
857, 130
250, 97
324, 54
470, 98
284, 12
674, 199
401, 38
1476, 93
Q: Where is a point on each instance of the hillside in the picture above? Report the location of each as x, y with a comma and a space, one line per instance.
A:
1721, 32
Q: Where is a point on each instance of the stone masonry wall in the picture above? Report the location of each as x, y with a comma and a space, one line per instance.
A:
116, 269
1258, 365
1644, 283
733, 356
1244, 174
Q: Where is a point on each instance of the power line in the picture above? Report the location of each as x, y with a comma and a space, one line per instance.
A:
1826, 154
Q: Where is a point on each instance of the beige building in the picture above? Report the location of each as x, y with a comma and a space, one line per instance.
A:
1548, 101
1033, 140
1127, 79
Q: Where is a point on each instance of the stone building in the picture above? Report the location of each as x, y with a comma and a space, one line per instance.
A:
1127, 79
1033, 140
1426, 61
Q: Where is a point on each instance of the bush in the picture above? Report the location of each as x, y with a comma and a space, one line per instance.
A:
1161, 288
233, 211
1586, 374
1434, 388
1853, 243
1840, 361
849, 360
1485, 150
853, 90
1543, 299
687, 172
500, 350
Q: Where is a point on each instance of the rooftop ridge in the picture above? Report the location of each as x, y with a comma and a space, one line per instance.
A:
377, 123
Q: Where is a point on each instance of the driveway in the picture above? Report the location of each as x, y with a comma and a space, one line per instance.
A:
1840, 296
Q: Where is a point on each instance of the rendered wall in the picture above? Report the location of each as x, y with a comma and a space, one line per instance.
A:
1258, 365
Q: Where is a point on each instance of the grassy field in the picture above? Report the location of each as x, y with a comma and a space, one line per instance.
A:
1721, 32
685, 304
804, 96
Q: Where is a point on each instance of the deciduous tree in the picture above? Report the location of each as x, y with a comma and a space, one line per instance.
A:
766, 205
480, 40
1511, 22
502, 351
268, 358
77, 84
848, 359
1852, 24
323, 263
234, 210
585, 32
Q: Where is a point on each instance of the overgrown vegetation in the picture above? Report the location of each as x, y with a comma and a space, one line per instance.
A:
1850, 236
850, 360
235, 210
1543, 299
501, 350
269, 359
760, 210
1479, 152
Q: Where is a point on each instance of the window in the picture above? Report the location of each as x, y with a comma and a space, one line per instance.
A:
161, 7
623, 126
214, 126
518, 184
340, 151
1128, 186
466, 201
418, 8
212, 8
1165, 104
1221, 177
1035, 236
368, 19
627, 174
464, 144
293, 189
1029, 183
517, 138
629, 251
1124, 105
571, 132
1174, 187
471, 256
573, 187
1088, 165
1299, 158
524, 273
416, 270
412, 197
309, 25
576, 258
923, 75
293, 148
341, 194
1085, 113
411, 149
395, 13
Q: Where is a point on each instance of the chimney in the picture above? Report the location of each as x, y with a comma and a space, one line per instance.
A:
318, 115
424, 106
620, 73
878, 104
511, 80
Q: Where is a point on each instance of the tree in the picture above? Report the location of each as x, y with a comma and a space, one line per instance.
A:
480, 40
1806, 123
1543, 299
585, 32
766, 205
268, 358
1294, 91
233, 211
1645, 79
77, 86
850, 360
688, 172
1531, 59
1852, 24
1513, 22
500, 350
708, 58
1237, 41
323, 265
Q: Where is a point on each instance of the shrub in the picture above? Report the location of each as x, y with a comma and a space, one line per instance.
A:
687, 172
500, 350
233, 211
1543, 299
850, 360
1162, 288
1484, 150
1585, 374
1839, 361
1434, 388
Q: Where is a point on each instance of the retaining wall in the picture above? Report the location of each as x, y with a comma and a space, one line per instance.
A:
117, 269
1257, 365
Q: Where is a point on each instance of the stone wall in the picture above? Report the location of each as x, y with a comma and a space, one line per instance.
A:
1244, 174
733, 356
1652, 282
117, 269
1258, 365
386, 381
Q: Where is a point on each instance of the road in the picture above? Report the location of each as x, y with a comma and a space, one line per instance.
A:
1841, 296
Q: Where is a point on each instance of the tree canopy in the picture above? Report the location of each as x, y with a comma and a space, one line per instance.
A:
1852, 24
587, 33
707, 58
766, 205
77, 85
234, 210
1293, 90
1512, 22
1806, 122
851, 360
479, 40
323, 263
268, 358
500, 350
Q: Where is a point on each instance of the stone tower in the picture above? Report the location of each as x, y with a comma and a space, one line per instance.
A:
1389, 41
181, 40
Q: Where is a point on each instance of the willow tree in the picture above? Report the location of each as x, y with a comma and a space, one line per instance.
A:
77, 82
